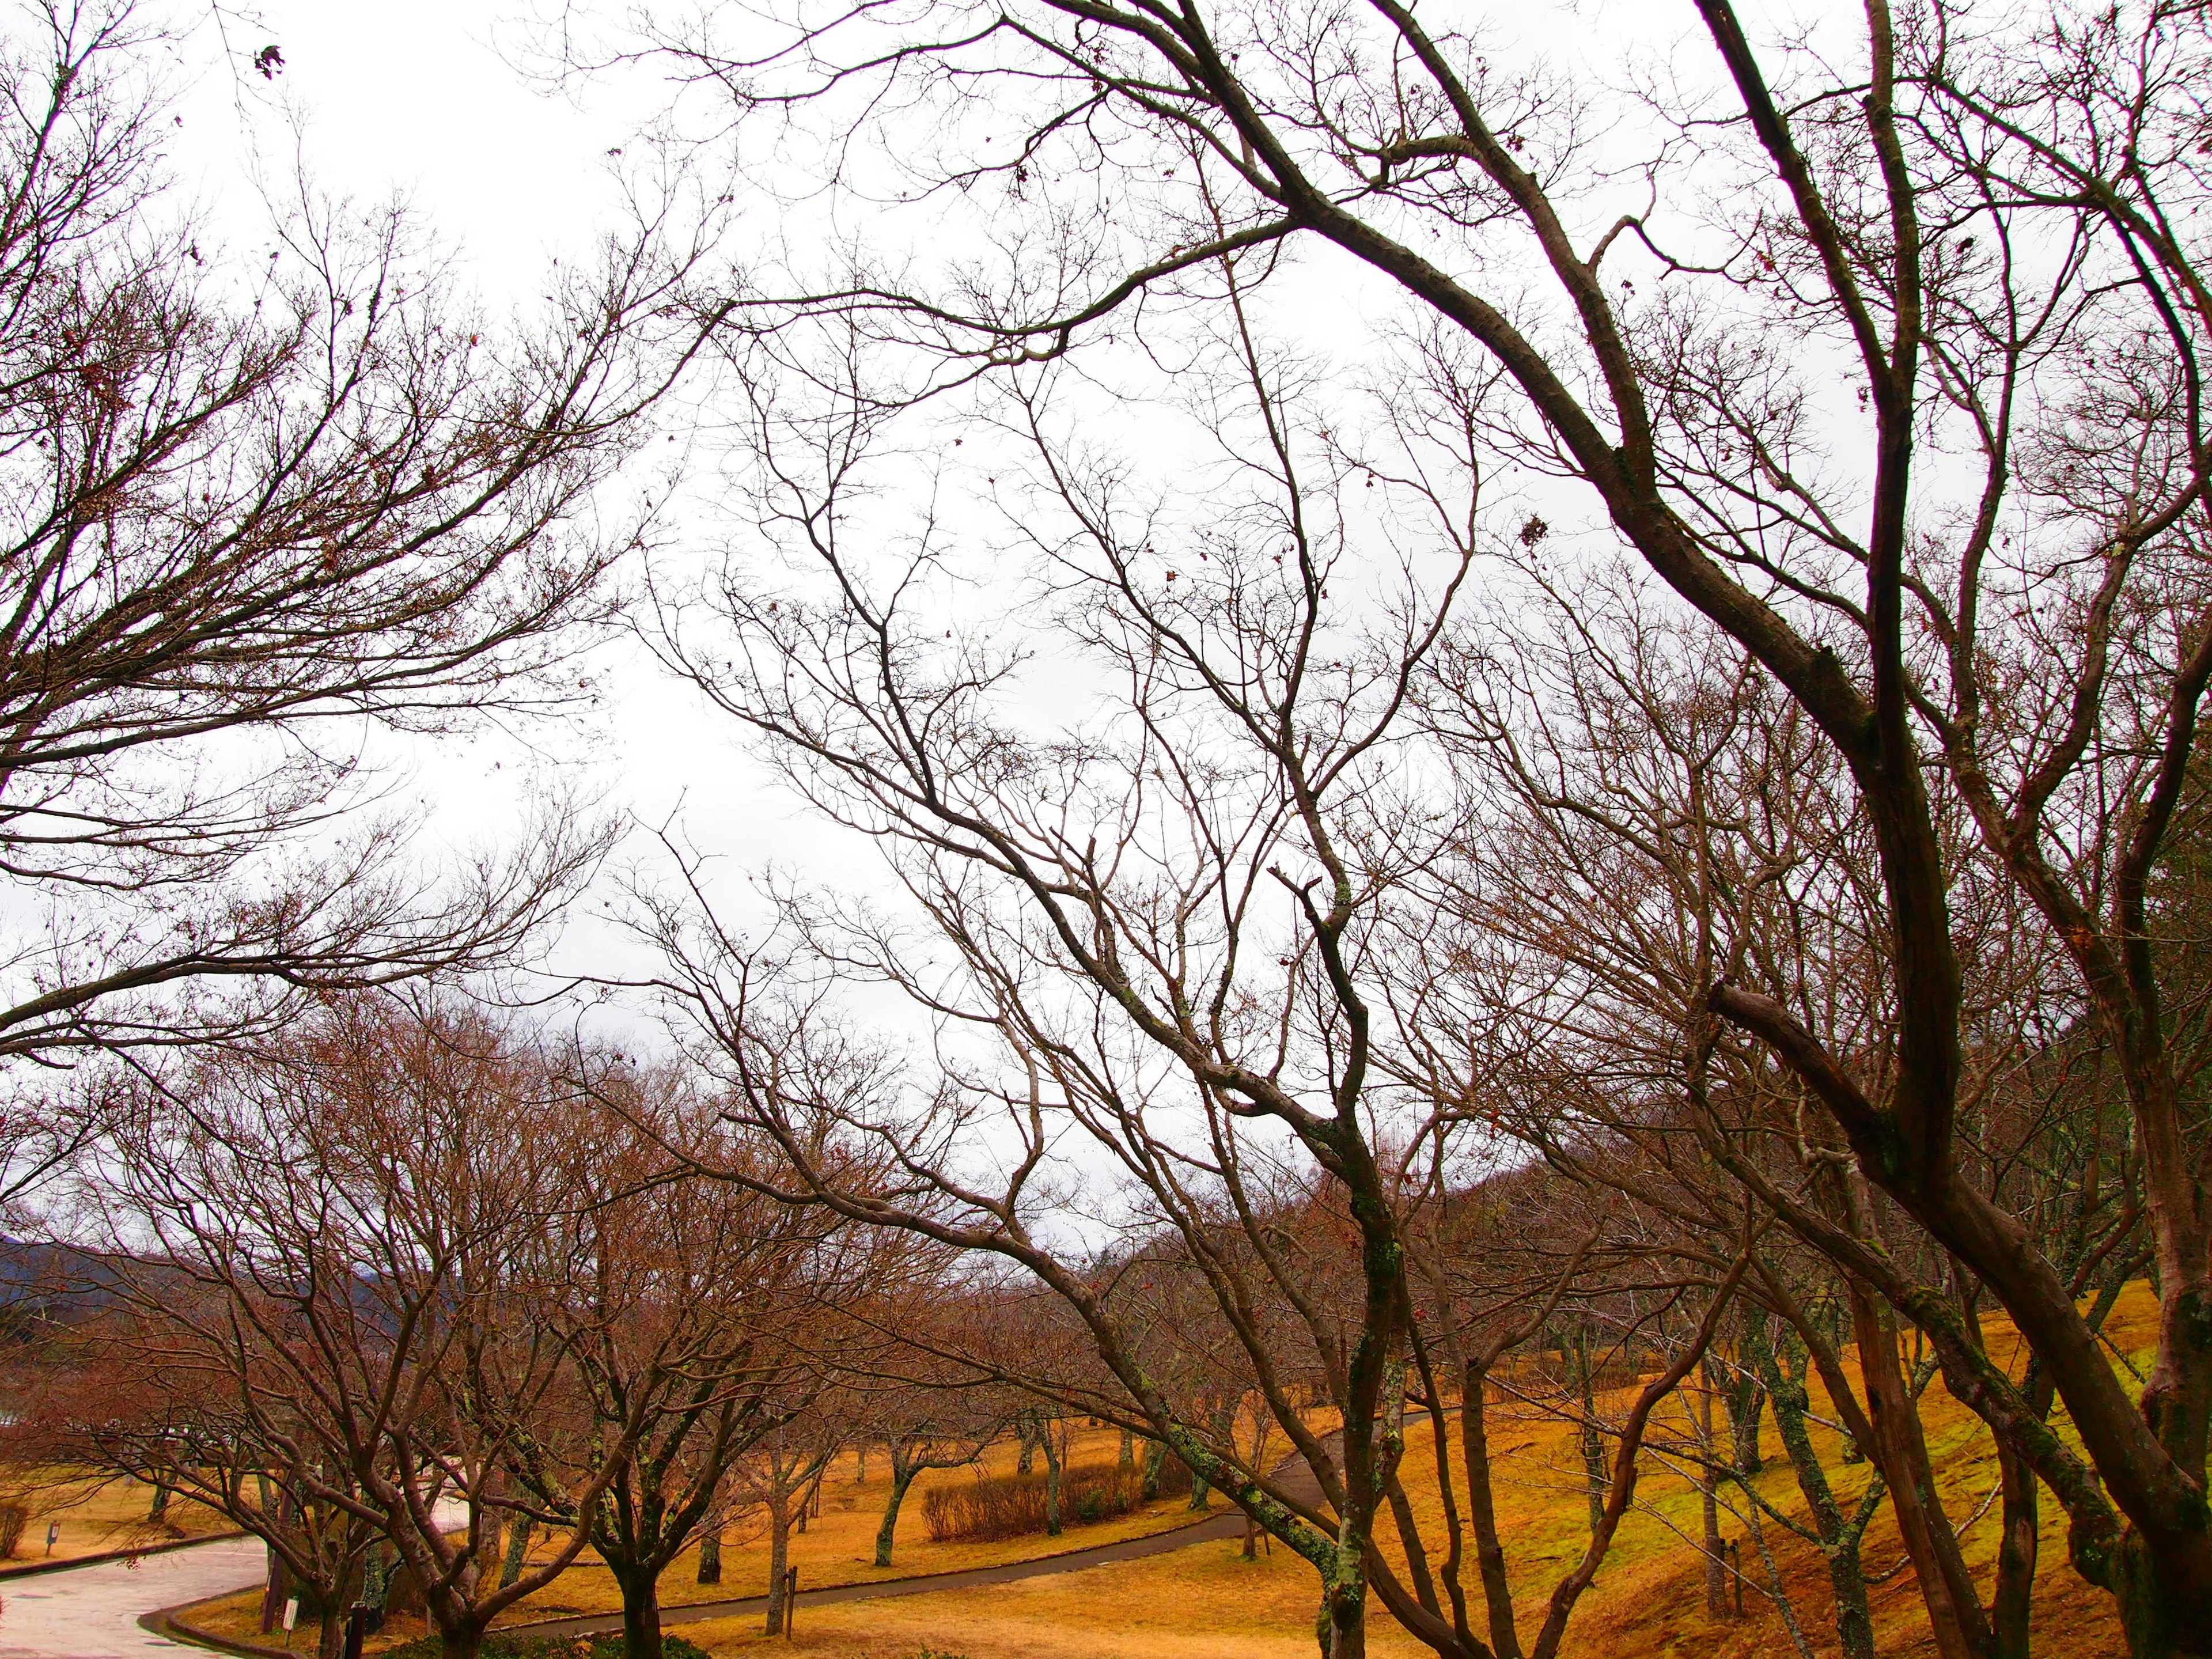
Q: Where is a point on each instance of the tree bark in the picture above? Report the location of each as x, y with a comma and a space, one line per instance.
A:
779, 1556
1840, 1548
1482, 1515
641, 1594
1052, 1471
518, 1551
1708, 1480
889, 1530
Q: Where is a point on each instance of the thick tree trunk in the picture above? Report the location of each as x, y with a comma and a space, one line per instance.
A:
710, 1559
273, 1591
641, 1594
1955, 1610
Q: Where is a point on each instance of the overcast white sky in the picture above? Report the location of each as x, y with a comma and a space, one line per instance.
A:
413, 98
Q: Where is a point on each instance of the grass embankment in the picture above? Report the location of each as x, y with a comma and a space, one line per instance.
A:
1206, 1602
95, 1517
1648, 1601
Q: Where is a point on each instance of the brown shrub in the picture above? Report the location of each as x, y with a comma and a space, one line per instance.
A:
993, 1507
13, 1517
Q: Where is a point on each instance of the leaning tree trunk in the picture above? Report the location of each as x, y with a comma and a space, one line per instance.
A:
1846, 1573
889, 1531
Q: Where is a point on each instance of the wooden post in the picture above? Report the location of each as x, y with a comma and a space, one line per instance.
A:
790, 1600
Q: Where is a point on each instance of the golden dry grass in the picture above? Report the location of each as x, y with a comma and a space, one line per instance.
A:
1648, 1601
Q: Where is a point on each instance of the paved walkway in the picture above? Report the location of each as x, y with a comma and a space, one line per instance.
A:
92, 1613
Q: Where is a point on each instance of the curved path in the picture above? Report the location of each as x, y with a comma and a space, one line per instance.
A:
93, 1612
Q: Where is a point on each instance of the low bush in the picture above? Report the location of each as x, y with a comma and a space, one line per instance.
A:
546, 1647
13, 1517
993, 1507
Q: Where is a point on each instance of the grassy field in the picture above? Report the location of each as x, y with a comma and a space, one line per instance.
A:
95, 1517
1206, 1600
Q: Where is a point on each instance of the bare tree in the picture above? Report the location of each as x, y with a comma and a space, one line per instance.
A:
264, 502
691, 1317
779, 1476
1154, 939
341, 1239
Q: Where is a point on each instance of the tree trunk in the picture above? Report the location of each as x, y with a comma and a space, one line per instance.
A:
710, 1559
1747, 1398
1156, 1456
779, 1558
1846, 1575
461, 1644
1051, 1466
1593, 1442
889, 1530
1709, 1480
161, 1501
274, 1592
1482, 1515
1955, 1608
641, 1594
518, 1551
1128, 1458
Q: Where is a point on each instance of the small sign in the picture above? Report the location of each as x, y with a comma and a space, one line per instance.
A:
291, 1614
